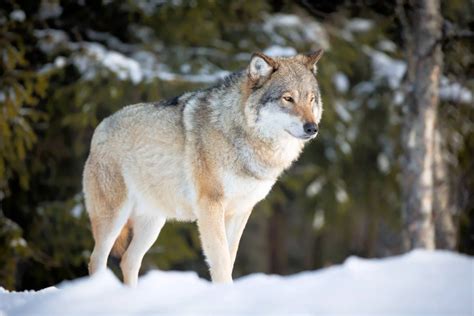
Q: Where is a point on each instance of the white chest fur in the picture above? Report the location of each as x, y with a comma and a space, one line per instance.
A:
242, 193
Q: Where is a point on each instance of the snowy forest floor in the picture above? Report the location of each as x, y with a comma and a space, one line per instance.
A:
417, 283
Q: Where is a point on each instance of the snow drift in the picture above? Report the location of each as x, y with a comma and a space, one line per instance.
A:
418, 283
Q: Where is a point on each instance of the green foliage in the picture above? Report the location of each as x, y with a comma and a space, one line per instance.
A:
204, 22
20, 89
62, 240
13, 248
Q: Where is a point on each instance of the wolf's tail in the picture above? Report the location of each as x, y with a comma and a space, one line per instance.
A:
123, 240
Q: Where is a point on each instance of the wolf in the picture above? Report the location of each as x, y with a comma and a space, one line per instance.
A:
207, 156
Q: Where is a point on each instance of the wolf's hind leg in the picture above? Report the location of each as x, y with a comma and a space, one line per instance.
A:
108, 206
106, 230
145, 232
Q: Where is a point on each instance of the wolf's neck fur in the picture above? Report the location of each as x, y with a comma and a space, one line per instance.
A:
261, 156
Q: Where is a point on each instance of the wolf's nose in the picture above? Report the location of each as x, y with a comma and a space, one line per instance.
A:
310, 128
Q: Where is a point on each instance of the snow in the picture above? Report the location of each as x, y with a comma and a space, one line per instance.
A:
49, 9
18, 15
454, 91
111, 41
383, 163
387, 45
330, 153
356, 25
315, 187
151, 68
386, 68
138, 63
18, 242
92, 53
148, 7
341, 194
342, 111
50, 40
90, 57
279, 51
289, 28
417, 283
344, 146
77, 210
10, 300
341, 82
318, 220
392, 70
398, 97
59, 62
364, 87
197, 78
359, 25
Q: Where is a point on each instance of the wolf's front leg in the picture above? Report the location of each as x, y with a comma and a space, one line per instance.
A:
234, 225
211, 226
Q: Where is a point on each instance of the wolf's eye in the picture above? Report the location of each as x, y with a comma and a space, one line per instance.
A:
312, 99
288, 99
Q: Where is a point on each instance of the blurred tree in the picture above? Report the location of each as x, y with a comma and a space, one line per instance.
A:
444, 208
422, 23
452, 194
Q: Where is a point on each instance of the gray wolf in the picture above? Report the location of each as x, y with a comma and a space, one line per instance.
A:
207, 156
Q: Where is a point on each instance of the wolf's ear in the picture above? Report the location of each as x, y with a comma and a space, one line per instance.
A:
261, 67
312, 59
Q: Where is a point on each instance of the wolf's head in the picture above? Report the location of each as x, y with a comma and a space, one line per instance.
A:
283, 96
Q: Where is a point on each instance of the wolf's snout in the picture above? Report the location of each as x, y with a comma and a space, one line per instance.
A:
310, 128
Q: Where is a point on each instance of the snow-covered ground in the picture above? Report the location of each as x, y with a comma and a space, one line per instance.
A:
418, 283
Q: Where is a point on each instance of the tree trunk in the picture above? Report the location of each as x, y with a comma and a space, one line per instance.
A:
422, 32
443, 207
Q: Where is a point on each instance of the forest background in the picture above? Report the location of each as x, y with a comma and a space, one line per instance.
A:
65, 65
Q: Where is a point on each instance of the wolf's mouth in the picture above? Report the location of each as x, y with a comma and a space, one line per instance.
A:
302, 137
